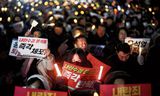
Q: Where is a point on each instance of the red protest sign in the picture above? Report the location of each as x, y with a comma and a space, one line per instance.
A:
19, 91
82, 77
125, 90
79, 77
97, 65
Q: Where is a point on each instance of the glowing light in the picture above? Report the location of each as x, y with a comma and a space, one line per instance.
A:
40, 2
50, 12
153, 13
18, 10
51, 24
56, 2
106, 6
36, 5
1, 18
58, 7
95, 94
46, 3
57, 70
119, 8
129, 6
76, 13
15, 7
107, 10
2, 9
150, 9
26, 15
92, 5
32, 3
79, 6
22, 6
122, 10
51, 3
19, 4
9, 19
40, 14
100, 73
94, 8
93, 27
76, 2
75, 20
32, 9
153, 24
85, 6
51, 18
82, 12
101, 20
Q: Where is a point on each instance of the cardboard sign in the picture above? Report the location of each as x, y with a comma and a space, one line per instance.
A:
13, 49
19, 91
137, 43
32, 47
125, 90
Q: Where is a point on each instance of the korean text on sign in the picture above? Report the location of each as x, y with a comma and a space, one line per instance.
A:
33, 47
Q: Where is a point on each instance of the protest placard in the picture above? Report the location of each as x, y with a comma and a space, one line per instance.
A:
32, 47
82, 77
19, 91
125, 90
13, 49
137, 43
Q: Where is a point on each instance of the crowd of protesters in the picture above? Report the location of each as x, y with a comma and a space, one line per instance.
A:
71, 28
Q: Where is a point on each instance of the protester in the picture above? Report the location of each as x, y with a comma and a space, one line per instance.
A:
122, 60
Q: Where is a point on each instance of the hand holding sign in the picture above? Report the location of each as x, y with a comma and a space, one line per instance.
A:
140, 57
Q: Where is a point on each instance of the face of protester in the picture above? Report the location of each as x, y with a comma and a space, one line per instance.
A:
123, 56
109, 22
101, 31
122, 35
81, 43
58, 30
37, 34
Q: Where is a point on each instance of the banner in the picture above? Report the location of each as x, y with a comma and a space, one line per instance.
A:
19, 91
137, 43
125, 90
13, 49
32, 47
82, 77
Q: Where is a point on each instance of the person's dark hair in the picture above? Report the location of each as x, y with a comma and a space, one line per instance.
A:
82, 56
124, 47
80, 36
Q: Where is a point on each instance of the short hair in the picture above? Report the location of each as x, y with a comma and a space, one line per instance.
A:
80, 36
124, 47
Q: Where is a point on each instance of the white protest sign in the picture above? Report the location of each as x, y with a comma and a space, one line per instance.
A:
13, 49
32, 47
137, 43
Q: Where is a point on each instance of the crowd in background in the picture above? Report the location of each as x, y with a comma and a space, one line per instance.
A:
61, 23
